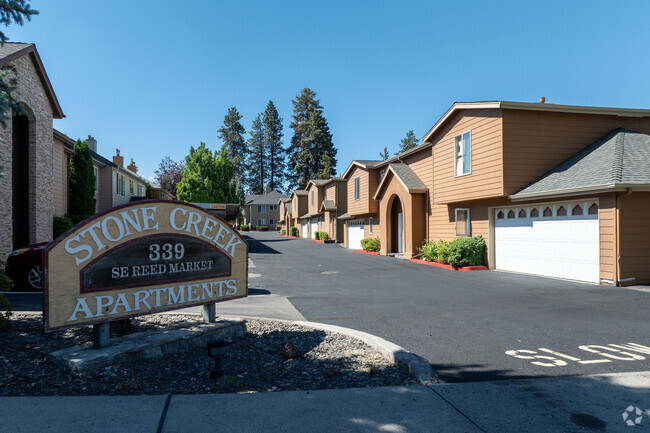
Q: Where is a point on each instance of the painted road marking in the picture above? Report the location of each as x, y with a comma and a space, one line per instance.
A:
606, 353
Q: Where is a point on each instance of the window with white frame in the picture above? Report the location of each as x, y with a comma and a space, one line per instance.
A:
357, 188
312, 198
272, 221
119, 184
96, 173
370, 225
463, 154
273, 207
130, 187
261, 208
462, 222
141, 192
261, 221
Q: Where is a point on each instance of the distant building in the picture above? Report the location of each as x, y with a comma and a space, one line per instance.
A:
262, 210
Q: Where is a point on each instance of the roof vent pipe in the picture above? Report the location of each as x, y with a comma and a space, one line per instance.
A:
542, 100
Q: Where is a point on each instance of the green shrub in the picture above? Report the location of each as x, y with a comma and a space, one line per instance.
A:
61, 225
293, 231
76, 219
283, 232
261, 228
371, 244
244, 227
317, 236
6, 284
324, 236
466, 251
435, 251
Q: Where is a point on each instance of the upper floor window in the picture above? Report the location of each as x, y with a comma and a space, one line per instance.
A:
119, 184
141, 192
463, 154
357, 188
261, 208
273, 207
96, 173
130, 187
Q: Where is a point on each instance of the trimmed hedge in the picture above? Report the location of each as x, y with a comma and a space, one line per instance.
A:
293, 231
261, 228
324, 236
371, 244
457, 253
317, 236
61, 225
244, 228
283, 232
467, 251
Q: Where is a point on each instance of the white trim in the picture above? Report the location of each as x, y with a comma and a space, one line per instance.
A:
357, 188
462, 140
469, 230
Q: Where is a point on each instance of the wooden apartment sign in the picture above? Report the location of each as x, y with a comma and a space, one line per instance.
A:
141, 258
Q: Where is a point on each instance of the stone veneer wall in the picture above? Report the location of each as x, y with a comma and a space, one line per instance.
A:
31, 93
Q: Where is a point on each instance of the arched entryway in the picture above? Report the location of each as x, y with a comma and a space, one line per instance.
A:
20, 180
397, 227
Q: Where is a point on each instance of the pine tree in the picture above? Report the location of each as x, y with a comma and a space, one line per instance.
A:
327, 170
232, 134
273, 147
82, 182
408, 142
257, 163
384, 155
311, 140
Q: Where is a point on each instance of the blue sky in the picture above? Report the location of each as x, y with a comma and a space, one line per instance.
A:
153, 78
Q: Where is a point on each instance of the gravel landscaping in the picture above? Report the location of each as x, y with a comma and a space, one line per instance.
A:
272, 356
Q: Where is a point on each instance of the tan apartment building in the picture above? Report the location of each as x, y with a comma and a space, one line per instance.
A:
334, 203
284, 207
263, 209
312, 220
299, 206
361, 219
555, 190
27, 152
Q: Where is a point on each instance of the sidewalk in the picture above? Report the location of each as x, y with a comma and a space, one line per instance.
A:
560, 404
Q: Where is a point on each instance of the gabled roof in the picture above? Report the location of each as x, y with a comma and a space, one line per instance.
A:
97, 158
334, 179
617, 161
10, 51
298, 192
250, 197
363, 163
270, 198
317, 182
406, 176
284, 199
328, 205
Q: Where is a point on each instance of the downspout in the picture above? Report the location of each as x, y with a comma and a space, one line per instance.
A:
617, 275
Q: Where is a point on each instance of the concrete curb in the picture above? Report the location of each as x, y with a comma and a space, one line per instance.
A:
416, 366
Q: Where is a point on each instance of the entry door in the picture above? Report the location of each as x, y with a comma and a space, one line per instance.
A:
400, 233
304, 230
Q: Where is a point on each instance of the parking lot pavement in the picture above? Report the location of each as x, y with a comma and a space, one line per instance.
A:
471, 326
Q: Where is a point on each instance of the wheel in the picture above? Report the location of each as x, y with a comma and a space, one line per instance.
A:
35, 277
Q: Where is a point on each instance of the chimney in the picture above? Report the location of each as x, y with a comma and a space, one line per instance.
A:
132, 166
92, 143
117, 159
542, 100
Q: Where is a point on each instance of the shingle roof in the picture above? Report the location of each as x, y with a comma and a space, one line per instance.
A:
365, 163
299, 192
328, 205
617, 160
345, 216
285, 199
319, 182
406, 176
270, 198
250, 197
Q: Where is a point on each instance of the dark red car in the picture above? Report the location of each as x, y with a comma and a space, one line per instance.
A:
25, 268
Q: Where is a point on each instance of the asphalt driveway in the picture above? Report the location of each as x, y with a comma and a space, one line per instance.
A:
471, 326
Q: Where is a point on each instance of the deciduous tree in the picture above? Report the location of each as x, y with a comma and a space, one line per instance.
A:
169, 173
207, 177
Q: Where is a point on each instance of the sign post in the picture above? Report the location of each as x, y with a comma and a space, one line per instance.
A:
142, 258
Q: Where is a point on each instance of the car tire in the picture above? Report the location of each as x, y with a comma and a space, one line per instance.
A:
35, 277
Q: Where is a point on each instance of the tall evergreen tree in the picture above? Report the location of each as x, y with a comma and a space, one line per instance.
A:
273, 147
408, 142
384, 155
232, 134
82, 182
311, 140
257, 163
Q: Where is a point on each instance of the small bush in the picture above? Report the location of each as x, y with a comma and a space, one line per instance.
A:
466, 251
371, 244
243, 228
61, 225
283, 232
6, 284
261, 228
317, 236
293, 231
435, 251
324, 236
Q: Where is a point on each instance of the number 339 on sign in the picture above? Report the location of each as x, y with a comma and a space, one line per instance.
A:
166, 252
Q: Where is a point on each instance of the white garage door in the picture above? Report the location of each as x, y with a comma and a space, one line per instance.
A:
314, 227
304, 229
355, 234
556, 240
